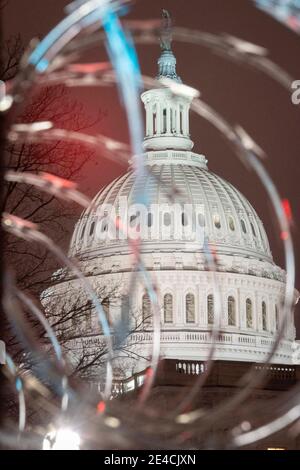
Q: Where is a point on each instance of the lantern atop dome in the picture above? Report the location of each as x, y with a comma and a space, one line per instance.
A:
167, 115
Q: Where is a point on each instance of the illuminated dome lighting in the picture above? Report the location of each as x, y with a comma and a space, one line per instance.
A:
229, 221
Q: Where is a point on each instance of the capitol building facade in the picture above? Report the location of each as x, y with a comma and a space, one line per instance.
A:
205, 265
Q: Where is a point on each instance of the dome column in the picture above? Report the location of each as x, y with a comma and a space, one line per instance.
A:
185, 123
168, 118
178, 118
201, 306
257, 314
180, 308
159, 118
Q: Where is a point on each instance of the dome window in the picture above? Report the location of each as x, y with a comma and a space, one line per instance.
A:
243, 226
231, 223
105, 305
210, 309
184, 219
181, 119
92, 228
133, 218
217, 221
201, 220
253, 229
264, 316
104, 222
190, 308
88, 320
164, 121
167, 219
154, 120
168, 308
150, 219
231, 311
146, 308
82, 232
249, 314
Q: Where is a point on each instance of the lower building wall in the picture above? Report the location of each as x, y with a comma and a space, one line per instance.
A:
226, 380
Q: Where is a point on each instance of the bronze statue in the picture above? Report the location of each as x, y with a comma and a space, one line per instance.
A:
166, 31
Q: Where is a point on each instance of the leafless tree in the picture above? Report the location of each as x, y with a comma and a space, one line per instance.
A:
32, 264
79, 332
63, 159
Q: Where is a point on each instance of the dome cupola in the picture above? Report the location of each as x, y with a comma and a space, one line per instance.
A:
167, 116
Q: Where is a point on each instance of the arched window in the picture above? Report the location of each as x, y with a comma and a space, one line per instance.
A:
181, 120
190, 308
184, 219
154, 121
210, 309
243, 226
264, 316
168, 308
105, 305
231, 223
231, 311
217, 221
276, 318
164, 121
249, 314
150, 219
88, 319
201, 220
253, 229
92, 228
104, 223
82, 232
146, 308
134, 219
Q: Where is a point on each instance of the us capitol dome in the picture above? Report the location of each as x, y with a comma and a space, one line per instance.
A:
245, 280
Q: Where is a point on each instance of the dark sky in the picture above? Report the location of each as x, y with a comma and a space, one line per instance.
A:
242, 95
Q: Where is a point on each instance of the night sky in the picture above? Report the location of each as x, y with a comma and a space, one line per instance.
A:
242, 95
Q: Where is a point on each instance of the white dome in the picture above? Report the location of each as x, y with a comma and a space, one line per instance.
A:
231, 225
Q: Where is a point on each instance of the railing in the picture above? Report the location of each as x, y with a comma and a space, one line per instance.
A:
197, 337
223, 373
190, 368
122, 386
279, 372
234, 339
